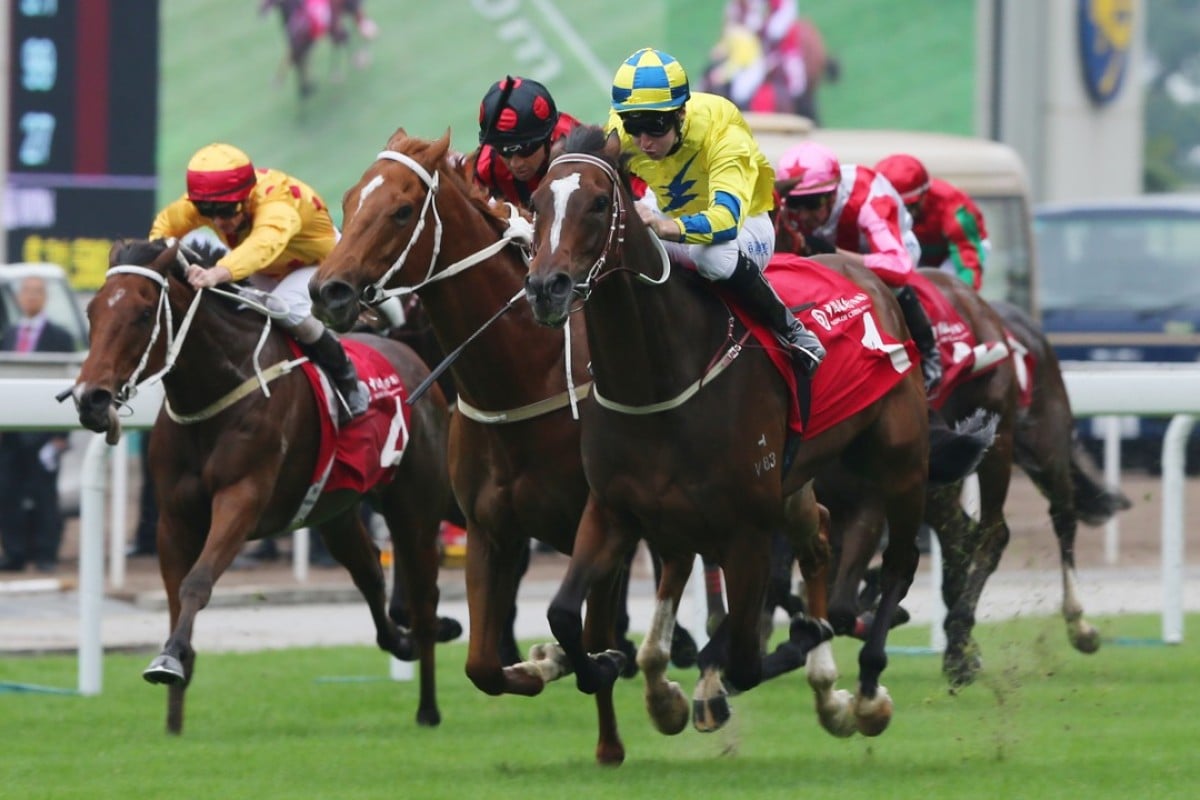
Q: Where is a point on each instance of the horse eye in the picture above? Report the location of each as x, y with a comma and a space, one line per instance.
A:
403, 214
601, 203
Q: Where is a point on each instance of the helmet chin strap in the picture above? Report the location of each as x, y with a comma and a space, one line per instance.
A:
679, 116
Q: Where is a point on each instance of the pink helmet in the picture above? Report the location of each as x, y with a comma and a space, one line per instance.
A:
807, 168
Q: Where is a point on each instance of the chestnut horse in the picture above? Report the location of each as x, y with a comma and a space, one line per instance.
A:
514, 441
232, 462
697, 462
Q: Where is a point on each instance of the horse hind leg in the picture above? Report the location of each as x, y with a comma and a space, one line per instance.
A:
665, 701
1082, 635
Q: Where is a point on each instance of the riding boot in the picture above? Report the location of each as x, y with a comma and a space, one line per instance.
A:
922, 334
758, 297
328, 354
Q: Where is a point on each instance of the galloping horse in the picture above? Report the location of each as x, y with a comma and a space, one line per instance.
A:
306, 22
238, 450
696, 461
514, 441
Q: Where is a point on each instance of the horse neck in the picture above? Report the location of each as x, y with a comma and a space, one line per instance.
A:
516, 361
216, 355
650, 341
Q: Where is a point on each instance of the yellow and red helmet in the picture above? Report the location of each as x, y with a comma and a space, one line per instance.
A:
220, 173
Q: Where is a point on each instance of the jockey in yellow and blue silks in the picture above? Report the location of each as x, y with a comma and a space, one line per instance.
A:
713, 185
278, 230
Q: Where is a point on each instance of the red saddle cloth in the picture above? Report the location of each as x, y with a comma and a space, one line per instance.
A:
365, 452
863, 362
963, 356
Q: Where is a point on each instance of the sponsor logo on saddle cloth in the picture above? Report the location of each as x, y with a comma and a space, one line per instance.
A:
862, 364
963, 356
364, 453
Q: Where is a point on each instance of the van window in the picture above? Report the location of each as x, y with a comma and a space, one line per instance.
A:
1135, 260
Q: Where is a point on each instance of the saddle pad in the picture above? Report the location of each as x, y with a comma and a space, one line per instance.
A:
863, 362
365, 452
963, 356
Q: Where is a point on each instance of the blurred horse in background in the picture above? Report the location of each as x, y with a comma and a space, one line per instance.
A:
306, 22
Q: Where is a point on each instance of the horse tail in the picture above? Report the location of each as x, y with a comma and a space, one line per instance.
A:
1095, 502
955, 454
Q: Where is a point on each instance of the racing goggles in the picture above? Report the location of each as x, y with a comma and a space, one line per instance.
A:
214, 210
648, 123
804, 202
523, 150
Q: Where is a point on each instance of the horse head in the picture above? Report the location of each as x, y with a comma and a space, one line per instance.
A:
581, 212
124, 319
391, 229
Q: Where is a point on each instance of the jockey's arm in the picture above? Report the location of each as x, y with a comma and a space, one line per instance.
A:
730, 184
274, 226
886, 255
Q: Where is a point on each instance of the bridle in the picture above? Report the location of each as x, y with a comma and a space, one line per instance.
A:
519, 232
615, 241
175, 337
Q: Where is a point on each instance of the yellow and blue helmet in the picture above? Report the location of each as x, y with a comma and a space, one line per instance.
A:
649, 80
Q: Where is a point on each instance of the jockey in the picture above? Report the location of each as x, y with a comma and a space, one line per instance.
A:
946, 222
518, 121
278, 230
711, 181
852, 209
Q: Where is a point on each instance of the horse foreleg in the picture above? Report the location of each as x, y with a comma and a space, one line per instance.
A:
600, 634
601, 543
492, 574
665, 701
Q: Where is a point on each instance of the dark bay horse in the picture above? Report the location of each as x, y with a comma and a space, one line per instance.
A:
415, 223
233, 462
700, 463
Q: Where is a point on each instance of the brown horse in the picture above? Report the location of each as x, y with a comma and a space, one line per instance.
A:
699, 462
1037, 436
414, 222
232, 462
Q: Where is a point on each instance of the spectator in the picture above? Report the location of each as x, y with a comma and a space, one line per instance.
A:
30, 520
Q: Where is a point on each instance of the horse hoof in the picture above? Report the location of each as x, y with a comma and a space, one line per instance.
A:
711, 714
668, 708
449, 629
1086, 640
166, 670
874, 713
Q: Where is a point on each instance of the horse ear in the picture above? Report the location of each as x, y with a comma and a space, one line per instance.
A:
439, 147
399, 135
557, 147
117, 246
612, 147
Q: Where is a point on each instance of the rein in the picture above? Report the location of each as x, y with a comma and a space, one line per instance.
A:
176, 338
519, 233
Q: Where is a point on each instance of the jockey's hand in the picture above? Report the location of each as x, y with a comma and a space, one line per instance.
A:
201, 278
664, 228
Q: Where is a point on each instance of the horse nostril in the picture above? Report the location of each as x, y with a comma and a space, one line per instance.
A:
561, 285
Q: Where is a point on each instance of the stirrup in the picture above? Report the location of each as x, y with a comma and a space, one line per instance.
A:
355, 403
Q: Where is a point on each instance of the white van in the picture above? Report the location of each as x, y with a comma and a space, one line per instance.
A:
990, 172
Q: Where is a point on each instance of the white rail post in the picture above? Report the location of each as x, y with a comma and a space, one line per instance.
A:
91, 566
119, 471
1173, 458
1112, 476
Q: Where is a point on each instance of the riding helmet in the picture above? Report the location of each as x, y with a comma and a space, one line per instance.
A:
220, 173
649, 80
907, 174
807, 168
516, 111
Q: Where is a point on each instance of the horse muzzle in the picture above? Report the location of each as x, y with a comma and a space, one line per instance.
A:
335, 302
550, 298
98, 413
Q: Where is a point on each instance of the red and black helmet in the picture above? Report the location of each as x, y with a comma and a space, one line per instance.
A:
516, 111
